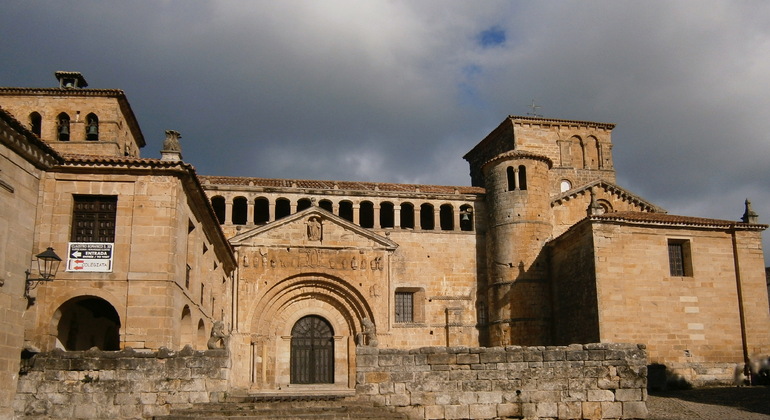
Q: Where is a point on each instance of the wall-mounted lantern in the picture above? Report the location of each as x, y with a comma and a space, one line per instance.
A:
47, 266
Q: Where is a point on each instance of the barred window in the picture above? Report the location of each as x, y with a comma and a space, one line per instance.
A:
404, 307
93, 218
679, 258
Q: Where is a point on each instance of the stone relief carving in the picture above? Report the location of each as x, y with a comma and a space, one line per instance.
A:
219, 339
314, 228
367, 337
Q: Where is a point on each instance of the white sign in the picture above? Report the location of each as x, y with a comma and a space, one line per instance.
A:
90, 257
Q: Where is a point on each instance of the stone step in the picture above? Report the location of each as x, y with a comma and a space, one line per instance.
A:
285, 408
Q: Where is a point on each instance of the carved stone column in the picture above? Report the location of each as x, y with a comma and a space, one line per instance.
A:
228, 211
250, 212
396, 216
356, 214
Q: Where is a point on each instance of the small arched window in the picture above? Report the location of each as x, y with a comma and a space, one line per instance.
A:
407, 216
466, 217
326, 205
92, 127
63, 127
218, 202
240, 209
304, 203
35, 123
261, 211
346, 210
427, 220
446, 217
366, 214
387, 215
522, 177
511, 178
282, 208
565, 185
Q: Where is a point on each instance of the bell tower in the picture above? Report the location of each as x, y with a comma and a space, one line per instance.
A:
518, 207
518, 189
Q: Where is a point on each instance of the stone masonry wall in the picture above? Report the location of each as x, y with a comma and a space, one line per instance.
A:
591, 381
125, 384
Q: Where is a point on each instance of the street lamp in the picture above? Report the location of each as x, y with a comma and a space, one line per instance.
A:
47, 265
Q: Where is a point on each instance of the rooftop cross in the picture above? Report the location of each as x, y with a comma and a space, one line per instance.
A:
535, 108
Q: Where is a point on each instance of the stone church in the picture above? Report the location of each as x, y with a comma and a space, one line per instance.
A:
544, 248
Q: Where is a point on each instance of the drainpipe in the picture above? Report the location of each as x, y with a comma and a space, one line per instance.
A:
741, 311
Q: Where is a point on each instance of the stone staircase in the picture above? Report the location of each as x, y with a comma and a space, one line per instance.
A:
285, 407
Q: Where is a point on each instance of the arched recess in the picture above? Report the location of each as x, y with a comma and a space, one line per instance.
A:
346, 210
312, 351
186, 324
407, 216
201, 338
282, 208
304, 203
591, 153
466, 217
261, 211
218, 202
446, 217
387, 214
272, 318
240, 210
427, 219
326, 205
578, 160
366, 215
35, 123
92, 127
63, 127
87, 321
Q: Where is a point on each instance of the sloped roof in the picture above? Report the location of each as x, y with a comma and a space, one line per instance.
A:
672, 220
609, 186
243, 237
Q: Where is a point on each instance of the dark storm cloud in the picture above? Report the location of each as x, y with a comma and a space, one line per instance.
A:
399, 91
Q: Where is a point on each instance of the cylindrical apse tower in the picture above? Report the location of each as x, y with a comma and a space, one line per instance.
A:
519, 224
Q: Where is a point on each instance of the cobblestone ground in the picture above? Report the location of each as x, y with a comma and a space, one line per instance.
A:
746, 403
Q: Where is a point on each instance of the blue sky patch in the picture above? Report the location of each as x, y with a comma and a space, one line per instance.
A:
492, 37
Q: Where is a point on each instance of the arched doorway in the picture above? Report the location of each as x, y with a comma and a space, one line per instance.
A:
85, 322
312, 351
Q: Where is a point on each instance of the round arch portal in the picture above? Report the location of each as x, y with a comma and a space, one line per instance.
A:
312, 351
85, 322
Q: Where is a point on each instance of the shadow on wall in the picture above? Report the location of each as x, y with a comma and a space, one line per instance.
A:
659, 378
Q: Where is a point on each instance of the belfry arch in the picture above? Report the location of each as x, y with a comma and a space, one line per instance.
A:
274, 317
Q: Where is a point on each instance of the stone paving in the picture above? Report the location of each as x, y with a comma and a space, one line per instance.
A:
728, 403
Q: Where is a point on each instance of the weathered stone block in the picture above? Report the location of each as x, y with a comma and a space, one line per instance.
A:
482, 411
635, 410
570, 410
600, 395
456, 412
612, 409
547, 409
376, 377
634, 394
592, 410
434, 412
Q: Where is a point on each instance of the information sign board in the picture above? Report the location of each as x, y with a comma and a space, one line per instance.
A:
90, 257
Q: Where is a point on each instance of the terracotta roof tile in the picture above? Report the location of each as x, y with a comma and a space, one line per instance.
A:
669, 219
338, 185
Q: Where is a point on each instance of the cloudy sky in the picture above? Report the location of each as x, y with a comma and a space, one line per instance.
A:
398, 91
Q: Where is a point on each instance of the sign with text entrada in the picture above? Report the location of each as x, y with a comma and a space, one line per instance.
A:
90, 257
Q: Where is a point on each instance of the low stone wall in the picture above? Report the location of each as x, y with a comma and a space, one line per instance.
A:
124, 384
592, 381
